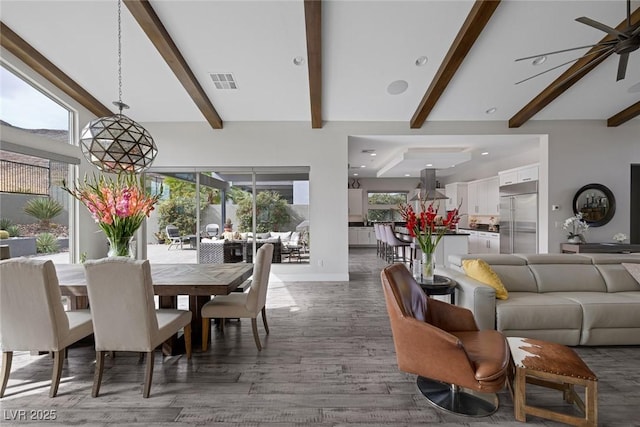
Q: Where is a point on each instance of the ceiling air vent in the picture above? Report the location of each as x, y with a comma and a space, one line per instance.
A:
224, 81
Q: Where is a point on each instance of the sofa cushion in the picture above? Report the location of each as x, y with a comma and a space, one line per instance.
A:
528, 311
633, 270
482, 272
555, 259
618, 278
491, 259
284, 236
605, 311
566, 278
516, 278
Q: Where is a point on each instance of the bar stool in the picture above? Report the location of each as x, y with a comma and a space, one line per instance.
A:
379, 242
394, 243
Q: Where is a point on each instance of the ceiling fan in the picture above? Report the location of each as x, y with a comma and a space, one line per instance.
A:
623, 43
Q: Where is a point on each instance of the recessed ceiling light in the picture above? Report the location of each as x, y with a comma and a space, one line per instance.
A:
407, 174
421, 61
453, 166
397, 87
298, 60
355, 174
539, 60
429, 165
373, 154
491, 110
363, 166
484, 153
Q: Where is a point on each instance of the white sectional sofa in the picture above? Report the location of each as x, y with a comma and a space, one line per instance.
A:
586, 299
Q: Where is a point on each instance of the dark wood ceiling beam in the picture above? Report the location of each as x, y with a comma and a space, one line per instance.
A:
313, 23
477, 19
624, 115
572, 75
34, 59
157, 33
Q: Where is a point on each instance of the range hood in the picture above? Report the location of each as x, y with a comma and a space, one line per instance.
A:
427, 187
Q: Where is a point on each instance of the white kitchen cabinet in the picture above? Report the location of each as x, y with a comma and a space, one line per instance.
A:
518, 175
473, 242
528, 174
488, 243
483, 242
492, 196
355, 202
508, 178
362, 236
472, 198
483, 197
456, 196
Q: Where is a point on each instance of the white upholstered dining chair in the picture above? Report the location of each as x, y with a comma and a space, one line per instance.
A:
242, 305
124, 315
32, 317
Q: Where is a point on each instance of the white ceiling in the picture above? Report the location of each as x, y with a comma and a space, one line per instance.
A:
366, 46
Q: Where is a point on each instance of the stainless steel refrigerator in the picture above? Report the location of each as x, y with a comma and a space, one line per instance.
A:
519, 218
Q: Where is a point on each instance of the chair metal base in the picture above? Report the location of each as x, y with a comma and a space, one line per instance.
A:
456, 399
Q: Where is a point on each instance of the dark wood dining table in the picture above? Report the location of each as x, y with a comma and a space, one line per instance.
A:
198, 281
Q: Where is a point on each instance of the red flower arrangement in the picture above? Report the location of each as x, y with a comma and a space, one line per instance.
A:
428, 227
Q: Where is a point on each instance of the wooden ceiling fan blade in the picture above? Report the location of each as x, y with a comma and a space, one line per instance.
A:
605, 49
602, 27
622, 66
567, 50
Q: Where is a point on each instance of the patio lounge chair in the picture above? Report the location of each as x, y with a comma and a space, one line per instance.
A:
174, 236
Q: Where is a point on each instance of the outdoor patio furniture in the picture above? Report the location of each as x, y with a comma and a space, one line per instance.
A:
173, 233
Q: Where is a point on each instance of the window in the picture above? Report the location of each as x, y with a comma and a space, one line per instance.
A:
227, 210
26, 108
383, 206
31, 172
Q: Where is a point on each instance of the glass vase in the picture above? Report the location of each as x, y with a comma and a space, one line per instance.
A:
424, 268
121, 246
428, 266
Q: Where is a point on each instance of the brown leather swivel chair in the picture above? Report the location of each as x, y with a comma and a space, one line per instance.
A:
459, 368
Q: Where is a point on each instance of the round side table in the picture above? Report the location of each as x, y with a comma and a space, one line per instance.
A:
441, 285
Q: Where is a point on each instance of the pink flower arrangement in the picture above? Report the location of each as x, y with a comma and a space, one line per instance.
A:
118, 206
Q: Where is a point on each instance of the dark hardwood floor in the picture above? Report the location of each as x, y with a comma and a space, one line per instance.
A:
329, 361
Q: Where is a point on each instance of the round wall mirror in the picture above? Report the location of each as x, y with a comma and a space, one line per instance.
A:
596, 203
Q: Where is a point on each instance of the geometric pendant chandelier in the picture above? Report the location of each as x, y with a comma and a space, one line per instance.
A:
117, 143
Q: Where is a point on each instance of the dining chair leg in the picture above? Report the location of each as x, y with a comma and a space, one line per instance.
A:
58, 361
254, 326
206, 325
140, 356
187, 339
97, 375
148, 375
264, 319
221, 324
7, 357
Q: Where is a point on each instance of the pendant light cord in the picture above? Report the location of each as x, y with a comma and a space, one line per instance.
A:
120, 105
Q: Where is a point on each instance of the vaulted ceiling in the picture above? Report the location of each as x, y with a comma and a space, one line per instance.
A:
351, 52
